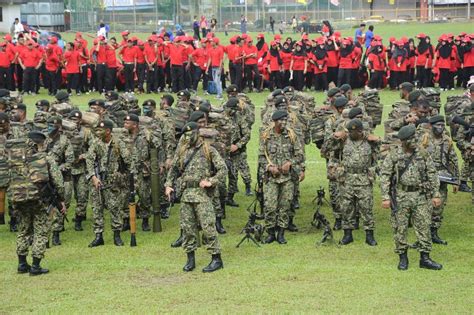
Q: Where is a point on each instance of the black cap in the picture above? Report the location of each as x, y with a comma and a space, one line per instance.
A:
232, 102
75, 113
414, 96
36, 136
112, 95
345, 87
106, 123
100, 103
332, 92
355, 124
184, 93
340, 101
55, 120
132, 117
287, 89
195, 116
4, 92
4, 118
280, 100
407, 86
169, 99
354, 112
20, 106
406, 132
190, 126
279, 114
42, 103
277, 92
232, 88
204, 106
436, 119
149, 102
61, 95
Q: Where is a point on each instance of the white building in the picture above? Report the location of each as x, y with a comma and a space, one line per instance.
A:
9, 10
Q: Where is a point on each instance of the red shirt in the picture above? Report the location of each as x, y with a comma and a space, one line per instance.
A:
52, 62
357, 57
273, 62
101, 55
286, 57
238, 52
298, 62
151, 52
140, 55
111, 57
320, 62
248, 51
129, 54
231, 52
84, 52
19, 49
333, 58
346, 62
30, 58
72, 61
376, 62
176, 54
4, 59
217, 56
422, 58
200, 56
262, 51
468, 58
10, 51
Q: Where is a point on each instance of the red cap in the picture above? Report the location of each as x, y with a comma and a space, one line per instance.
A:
125, 33
78, 34
101, 37
140, 43
458, 38
304, 37
277, 37
346, 42
443, 38
421, 35
320, 41
244, 36
337, 34
399, 43
7, 37
392, 39
53, 39
215, 40
260, 35
273, 43
298, 44
96, 41
248, 39
450, 35
178, 39
159, 40
462, 34
404, 39
377, 37
204, 40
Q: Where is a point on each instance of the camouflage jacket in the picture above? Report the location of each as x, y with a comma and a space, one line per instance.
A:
4, 172
168, 134
21, 129
240, 130
442, 153
277, 149
421, 172
247, 108
190, 166
141, 144
396, 118
80, 141
60, 150
329, 128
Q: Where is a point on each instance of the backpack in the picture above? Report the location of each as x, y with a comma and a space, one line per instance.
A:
432, 95
371, 100
29, 173
211, 87
317, 125
180, 117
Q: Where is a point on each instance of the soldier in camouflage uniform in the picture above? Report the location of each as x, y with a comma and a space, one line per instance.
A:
6, 133
239, 138
409, 182
441, 149
196, 170
281, 155
333, 158
80, 139
116, 110
33, 223
42, 115
108, 162
59, 149
356, 176
98, 106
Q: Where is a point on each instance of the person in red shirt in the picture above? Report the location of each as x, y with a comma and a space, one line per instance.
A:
176, 51
443, 56
320, 61
332, 49
376, 65
346, 63
239, 65
19, 48
71, 65
10, 49
216, 57
298, 66
251, 69
188, 79
128, 55
141, 66
399, 59
52, 65
356, 80
112, 64
154, 62
230, 50
286, 53
30, 60
4, 66
424, 55
100, 57
467, 60
262, 47
200, 60
275, 66
82, 82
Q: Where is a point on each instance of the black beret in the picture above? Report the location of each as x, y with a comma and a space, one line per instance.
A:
4, 118
288, 89
75, 113
169, 98
55, 120
195, 116
190, 126
232, 88
113, 95
279, 114
355, 124
149, 102
354, 112
345, 87
413, 96
277, 92
406, 132
333, 92
341, 101
4, 92
184, 93
100, 103
407, 86
204, 106
280, 100
61, 95
37, 136
132, 117
422, 120
232, 102
42, 103
20, 106
436, 119
106, 123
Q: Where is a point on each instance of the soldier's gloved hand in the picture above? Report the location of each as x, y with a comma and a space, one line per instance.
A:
96, 182
205, 183
302, 176
386, 204
168, 192
436, 202
455, 189
285, 168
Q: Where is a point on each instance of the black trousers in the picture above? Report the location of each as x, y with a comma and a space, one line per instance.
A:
308, 79
423, 76
275, 80
198, 73
285, 78
141, 71
52, 82
37, 78
151, 79
111, 79
239, 73
177, 78
444, 78
468, 72
128, 73
29, 80
82, 83
232, 72
376, 80
332, 74
344, 76
298, 80
321, 82
188, 79
72, 82
101, 72
398, 78
93, 82
168, 79
4, 74
12, 83
19, 77
252, 75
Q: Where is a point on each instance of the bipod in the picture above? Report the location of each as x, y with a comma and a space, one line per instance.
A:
252, 228
320, 221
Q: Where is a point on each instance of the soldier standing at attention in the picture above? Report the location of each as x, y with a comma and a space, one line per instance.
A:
409, 182
197, 169
281, 155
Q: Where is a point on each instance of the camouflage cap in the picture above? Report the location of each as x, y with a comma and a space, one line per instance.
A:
232, 88
4, 92
232, 102
195, 116
279, 114
55, 120
341, 101
106, 124
132, 117
355, 124
406, 132
20, 106
61, 95
75, 113
42, 103
190, 126
36, 136
149, 102
332, 92
414, 96
436, 119
345, 87
4, 118
184, 93
354, 112
407, 86
204, 106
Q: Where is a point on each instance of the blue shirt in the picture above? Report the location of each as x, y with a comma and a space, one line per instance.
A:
357, 34
368, 38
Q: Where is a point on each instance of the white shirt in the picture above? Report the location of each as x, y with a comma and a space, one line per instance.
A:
18, 28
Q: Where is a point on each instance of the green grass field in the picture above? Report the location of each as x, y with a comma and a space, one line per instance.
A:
299, 277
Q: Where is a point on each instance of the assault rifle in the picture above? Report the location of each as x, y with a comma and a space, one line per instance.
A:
319, 220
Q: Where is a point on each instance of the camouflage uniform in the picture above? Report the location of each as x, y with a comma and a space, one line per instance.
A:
114, 161
196, 204
415, 189
240, 137
247, 109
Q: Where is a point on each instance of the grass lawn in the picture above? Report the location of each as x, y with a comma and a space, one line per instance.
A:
299, 277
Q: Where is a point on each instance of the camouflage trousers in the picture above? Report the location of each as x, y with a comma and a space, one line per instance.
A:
437, 212
296, 195
234, 165
278, 198
244, 169
334, 199
33, 225
354, 200
110, 202
78, 187
144, 194
218, 200
416, 205
194, 214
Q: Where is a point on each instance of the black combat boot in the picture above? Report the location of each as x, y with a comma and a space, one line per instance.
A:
356, 224
145, 225
435, 237
230, 201
191, 263
56, 240
464, 187
248, 189
13, 224
215, 264
369, 238
2, 218
271, 236
126, 224
296, 203
281, 236
291, 226
347, 238
117, 240
164, 213
179, 241
23, 266
36, 269
78, 223
403, 263
337, 225
219, 227
98, 241
427, 263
